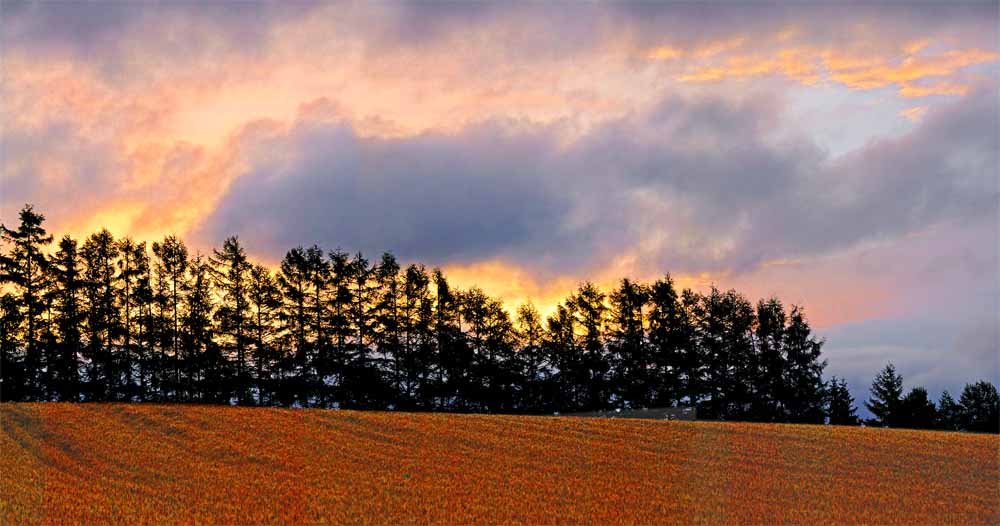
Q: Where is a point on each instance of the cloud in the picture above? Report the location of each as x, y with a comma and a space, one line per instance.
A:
433, 197
693, 185
944, 169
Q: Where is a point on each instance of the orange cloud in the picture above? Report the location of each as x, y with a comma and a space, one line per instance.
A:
856, 70
664, 53
869, 75
794, 64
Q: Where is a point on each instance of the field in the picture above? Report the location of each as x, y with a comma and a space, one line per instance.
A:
132, 464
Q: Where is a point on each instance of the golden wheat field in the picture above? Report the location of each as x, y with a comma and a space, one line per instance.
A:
149, 464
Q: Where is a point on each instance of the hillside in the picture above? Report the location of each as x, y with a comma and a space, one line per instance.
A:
128, 464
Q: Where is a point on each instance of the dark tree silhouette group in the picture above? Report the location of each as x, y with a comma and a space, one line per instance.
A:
119, 320
978, 408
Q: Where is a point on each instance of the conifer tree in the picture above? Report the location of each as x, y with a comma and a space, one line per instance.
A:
949, 415
230, 269
294, 279
265, 304
669, 341
840, 410
99, 253
916, 411
769, 338
171, 269
206, 369
25, 267
804, 371
133, 267
635, 381
536, 393
591, 316
886, 395
980, 407
67, 289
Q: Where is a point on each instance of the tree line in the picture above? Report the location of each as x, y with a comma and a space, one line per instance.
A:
119, 320
977, 409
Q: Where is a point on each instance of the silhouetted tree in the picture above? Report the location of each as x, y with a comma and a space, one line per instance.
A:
949, 414
805, 392
99, 254
230, 269
980, 408
916, 410
294, 279
840, 410
593, 376
635, 381
886, 396
537, 391
67, 289
25, 268
265, 304
387, 327
669, 342
207, 368
171, 265
133, 270
769, 338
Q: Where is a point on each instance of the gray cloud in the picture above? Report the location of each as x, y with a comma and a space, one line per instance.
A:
433, 197
705, 168
89, 175
110, 33
944, 169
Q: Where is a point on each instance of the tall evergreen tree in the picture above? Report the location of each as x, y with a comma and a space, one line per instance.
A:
133, 267
840, 410
949, 415
417, 347
265, 304
805, 394
387, 328
207, 370
294, 279
171, 270
980, 407
68, 290
769, 338
99, 254
230, 269
591, 317
670, 334
886, 396
452, 360
916, 410
535, 367
25, 268
635, 380
563, 349
694, 359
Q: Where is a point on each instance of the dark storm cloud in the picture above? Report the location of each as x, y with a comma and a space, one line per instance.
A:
505, 190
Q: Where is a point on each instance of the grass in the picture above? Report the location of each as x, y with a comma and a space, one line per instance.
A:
172, 464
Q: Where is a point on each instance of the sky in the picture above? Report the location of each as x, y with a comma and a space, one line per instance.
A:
842, 157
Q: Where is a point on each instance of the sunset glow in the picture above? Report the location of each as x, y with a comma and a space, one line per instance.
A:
841, 158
